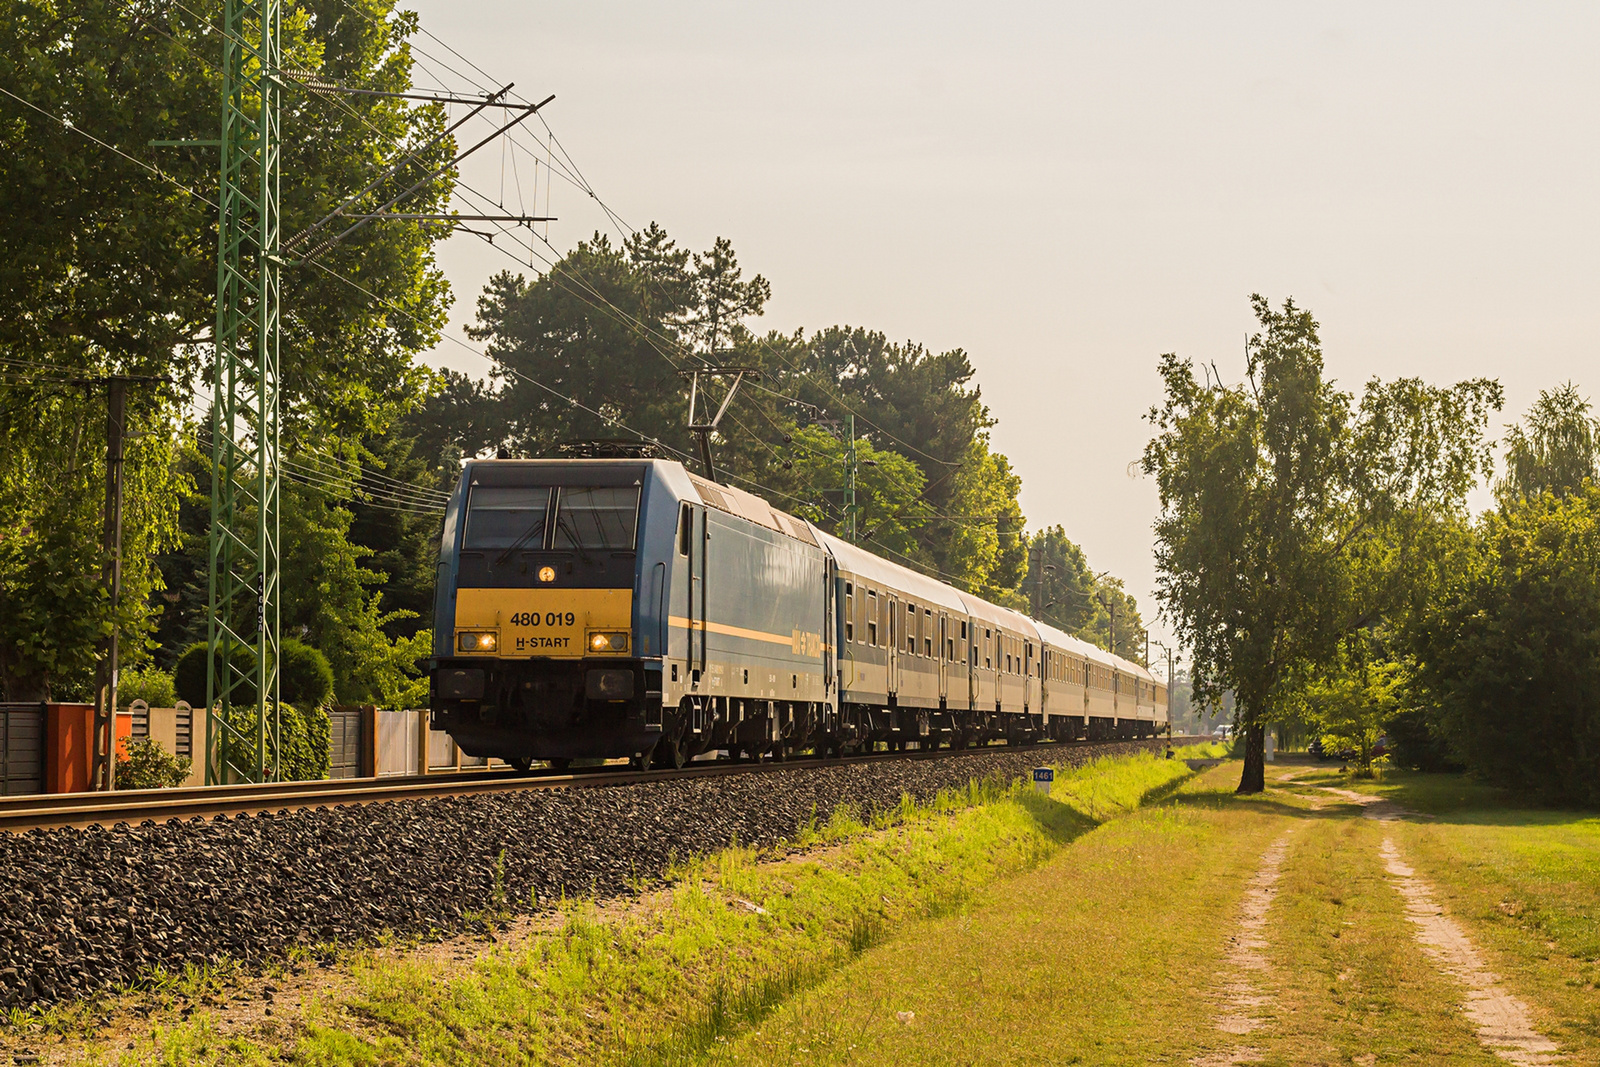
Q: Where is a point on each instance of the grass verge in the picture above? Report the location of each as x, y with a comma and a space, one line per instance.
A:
670, 976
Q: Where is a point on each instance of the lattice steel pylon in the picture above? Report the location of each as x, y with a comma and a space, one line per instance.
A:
242, 631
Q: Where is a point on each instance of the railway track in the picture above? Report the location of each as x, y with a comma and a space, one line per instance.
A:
24, 813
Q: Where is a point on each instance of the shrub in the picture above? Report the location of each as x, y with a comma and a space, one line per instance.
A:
305, 678
305, 736
149, 684
149, 766
189, 674
302, 739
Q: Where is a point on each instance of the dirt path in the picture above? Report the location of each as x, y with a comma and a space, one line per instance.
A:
1247, 961
1502, 1021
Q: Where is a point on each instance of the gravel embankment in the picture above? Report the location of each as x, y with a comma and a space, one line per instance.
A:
88, 908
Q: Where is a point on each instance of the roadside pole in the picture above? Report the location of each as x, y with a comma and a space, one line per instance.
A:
105, 718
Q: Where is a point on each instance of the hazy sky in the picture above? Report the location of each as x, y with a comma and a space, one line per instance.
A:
1068, 190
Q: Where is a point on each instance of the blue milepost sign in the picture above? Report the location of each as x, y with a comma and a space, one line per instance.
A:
1042, 777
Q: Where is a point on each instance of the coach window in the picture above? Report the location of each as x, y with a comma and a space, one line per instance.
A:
911, 629
988, 659
927, 633
872, 616
849, 611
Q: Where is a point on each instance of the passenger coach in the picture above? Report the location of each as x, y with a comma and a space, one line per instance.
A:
604, 608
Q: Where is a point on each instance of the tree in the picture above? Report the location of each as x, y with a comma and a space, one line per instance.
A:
1555, 451
1290, 517
610, 328
921, 404
109, 268
1064, 591
888, 491
1509, 650
1351, 700
1061, 587
52, 492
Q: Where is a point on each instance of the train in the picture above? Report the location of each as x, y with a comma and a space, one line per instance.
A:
626, 608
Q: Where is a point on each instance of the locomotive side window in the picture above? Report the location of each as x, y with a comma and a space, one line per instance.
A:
685, 528
507, 517
849, 611
597, 518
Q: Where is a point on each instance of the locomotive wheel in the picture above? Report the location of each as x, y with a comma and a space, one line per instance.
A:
560, 763
672, 752
521, 763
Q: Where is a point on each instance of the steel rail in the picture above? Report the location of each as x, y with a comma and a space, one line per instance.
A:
56, 810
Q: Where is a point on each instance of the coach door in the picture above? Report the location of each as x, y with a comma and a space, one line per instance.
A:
944, 659
1027, 677
692, 543
892, 604
830, 636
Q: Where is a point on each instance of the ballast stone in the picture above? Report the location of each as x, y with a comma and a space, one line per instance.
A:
97, 907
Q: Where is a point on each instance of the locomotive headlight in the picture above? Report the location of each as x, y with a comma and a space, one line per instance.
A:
608, 641
547, 574
477, 642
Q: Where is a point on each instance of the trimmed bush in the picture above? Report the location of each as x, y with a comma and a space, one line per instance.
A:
189, 675
149, 684
305, 677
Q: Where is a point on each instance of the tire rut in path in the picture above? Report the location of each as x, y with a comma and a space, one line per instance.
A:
1502, 1021
1247, 960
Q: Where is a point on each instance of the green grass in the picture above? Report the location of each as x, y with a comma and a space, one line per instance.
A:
1525, 882
1090, 958
1347, 979
674, 977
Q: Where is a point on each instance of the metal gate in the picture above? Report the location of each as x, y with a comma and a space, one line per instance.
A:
345, 742
21, 749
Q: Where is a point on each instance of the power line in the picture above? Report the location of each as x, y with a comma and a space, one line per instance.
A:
608, 420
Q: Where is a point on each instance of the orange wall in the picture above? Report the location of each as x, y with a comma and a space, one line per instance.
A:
69, 740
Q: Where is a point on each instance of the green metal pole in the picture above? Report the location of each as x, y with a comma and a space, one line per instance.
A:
242, 627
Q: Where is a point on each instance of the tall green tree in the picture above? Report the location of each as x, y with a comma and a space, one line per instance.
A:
107, 267
1555, 449
1290, 516
1509, 648
611, 328
1064, 591
925, 406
